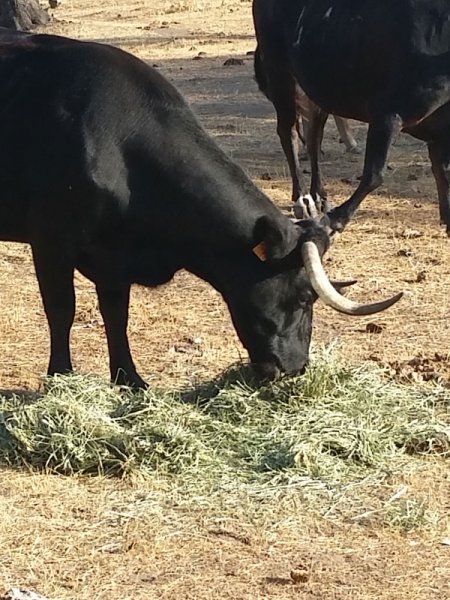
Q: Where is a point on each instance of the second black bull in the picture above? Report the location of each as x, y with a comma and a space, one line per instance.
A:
384, 62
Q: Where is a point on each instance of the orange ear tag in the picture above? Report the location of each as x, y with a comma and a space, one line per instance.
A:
261, 251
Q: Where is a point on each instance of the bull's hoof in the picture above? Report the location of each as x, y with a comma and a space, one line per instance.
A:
353, 149
445, 223
307, 207
336, 220
125, 380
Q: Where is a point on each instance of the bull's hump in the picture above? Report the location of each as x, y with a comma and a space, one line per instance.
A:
94, 66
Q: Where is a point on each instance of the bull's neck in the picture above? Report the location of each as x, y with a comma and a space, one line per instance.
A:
210, 204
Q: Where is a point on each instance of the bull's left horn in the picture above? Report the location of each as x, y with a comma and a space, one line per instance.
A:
327, 293
339, 285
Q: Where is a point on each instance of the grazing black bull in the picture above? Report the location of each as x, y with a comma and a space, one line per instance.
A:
294, 110
104, 169
385, 62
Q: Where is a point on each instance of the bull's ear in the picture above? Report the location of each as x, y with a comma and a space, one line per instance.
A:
275, 238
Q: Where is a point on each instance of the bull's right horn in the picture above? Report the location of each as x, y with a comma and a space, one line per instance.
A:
328, 294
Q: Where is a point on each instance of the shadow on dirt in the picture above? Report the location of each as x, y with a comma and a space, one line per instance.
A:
239, 373
26, 396
172, 35
242, 374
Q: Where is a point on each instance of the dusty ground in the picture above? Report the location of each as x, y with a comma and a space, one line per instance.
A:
55, 528
97, 539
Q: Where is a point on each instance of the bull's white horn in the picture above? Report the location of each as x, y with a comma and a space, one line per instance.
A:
327, 293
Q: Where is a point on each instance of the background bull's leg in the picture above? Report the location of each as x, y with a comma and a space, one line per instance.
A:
303, 114
314, 144
114, 309
55, 272
312, 205
380, 135
439, 152
345, 134
283, 96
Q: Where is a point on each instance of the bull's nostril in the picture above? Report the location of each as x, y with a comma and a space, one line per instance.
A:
303, 369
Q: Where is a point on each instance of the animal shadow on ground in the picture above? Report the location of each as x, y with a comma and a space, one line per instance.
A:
27, 396
238, 373
203, 392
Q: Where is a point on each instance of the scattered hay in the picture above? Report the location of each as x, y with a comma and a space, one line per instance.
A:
324, 432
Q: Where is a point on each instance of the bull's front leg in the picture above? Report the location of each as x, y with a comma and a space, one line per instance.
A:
114, 303
55, 271
346, 135
380, 135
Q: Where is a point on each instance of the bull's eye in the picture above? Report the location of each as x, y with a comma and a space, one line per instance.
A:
266, 326
305, 297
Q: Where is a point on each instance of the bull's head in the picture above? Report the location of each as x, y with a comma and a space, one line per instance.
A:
272, 295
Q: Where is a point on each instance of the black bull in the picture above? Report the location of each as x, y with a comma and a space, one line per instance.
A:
104, 169
385, 62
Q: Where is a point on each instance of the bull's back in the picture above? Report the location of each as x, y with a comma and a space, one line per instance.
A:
350, 55
64, 112
94, 140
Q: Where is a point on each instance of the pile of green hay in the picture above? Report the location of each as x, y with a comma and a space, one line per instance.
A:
335, 426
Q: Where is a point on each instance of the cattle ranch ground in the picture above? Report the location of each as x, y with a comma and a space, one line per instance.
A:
335, 486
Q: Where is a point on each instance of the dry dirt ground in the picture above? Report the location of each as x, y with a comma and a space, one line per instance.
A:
54, 531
